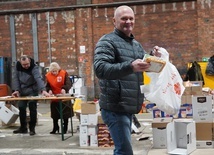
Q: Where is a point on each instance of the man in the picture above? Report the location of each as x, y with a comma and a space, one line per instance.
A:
118, 65
27, 81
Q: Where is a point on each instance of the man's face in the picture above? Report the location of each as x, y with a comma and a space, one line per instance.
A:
124, 20
25, 63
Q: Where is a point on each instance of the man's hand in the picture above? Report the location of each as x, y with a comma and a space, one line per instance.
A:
140, 66
156, 52
45, 93
15, 94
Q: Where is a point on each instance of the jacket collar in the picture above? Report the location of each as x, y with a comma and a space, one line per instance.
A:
20, 68
122, 35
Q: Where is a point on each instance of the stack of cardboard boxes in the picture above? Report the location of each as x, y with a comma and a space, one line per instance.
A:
192, 128
93, 132
202, 115
88, 124
175, 135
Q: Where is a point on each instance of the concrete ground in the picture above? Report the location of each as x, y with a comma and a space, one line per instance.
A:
48, 144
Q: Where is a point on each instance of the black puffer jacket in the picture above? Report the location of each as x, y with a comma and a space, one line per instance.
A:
120, 86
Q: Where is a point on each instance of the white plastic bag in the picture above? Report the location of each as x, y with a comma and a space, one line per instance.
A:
165, 88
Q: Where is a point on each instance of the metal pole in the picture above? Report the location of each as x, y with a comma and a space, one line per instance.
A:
35, 38
49, 39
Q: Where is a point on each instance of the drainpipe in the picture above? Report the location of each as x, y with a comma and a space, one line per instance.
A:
49, 39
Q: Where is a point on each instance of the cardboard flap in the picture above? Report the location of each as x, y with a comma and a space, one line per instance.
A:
191, 133
179, 151
171, 137
161, 122
89, 107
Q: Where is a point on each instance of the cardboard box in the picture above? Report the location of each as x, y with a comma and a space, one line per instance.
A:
193, 88
89, 107
93, 140
83, 130
157, 113
83, 119
90, 119
204, 131
196, 90
187, 91
92, 130
84, 140
202, 108
213, 133
204, 144
182, 113
181, 137
189, 99
159, 127
8, 116
189, 111
186, 99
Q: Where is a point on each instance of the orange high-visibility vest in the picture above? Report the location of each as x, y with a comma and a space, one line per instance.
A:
56, 81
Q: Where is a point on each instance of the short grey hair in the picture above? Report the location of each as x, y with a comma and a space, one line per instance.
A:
54, 66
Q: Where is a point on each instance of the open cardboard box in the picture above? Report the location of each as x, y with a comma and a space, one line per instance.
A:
8, 115
159, 127
181, 136
89, 107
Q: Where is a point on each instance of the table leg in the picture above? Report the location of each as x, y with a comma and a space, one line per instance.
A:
61, 120
72, 131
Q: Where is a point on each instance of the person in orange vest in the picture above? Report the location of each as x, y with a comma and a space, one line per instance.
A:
58, 82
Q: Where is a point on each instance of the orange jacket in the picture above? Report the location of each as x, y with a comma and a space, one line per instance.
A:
56, 82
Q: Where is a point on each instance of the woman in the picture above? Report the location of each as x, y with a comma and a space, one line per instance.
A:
58, 82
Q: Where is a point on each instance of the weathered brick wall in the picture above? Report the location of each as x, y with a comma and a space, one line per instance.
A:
185, 29
40, 4
205, 27
5, 42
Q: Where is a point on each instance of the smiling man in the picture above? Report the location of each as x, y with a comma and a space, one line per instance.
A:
124, 20
118, 65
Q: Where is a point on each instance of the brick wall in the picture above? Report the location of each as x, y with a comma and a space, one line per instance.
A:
184, 28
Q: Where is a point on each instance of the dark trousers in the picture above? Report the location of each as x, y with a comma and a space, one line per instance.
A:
23, 115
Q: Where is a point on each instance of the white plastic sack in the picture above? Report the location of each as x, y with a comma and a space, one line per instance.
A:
165, 88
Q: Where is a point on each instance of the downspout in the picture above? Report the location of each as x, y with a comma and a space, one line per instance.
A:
49, 39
